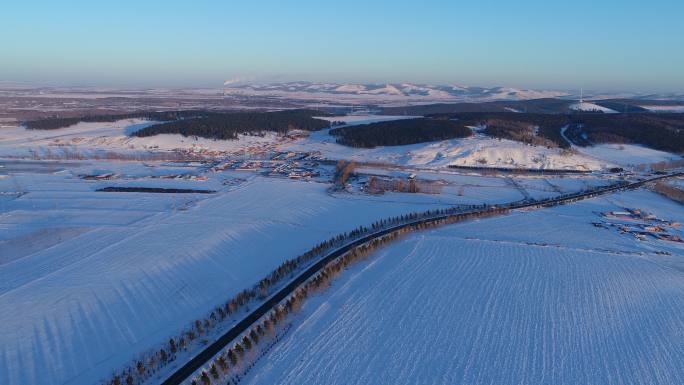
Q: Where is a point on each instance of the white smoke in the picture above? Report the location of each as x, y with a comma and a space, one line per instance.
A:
237, 80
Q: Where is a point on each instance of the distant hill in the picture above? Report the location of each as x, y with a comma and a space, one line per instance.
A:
540, 106
537, 106
386, 92
661, 131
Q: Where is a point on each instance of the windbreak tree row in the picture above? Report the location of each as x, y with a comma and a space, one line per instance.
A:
190, 338
195, 335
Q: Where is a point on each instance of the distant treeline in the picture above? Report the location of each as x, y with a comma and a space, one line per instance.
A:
55, 123
400, 132
534, 129
517, 170
157, 190
207, 124
525, 132
659, 131
669, 191
535, 106
229, 125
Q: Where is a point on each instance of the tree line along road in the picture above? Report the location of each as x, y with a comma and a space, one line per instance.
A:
198, 361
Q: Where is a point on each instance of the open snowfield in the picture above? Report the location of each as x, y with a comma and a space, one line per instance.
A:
91, 139
626, 154
98, 277
540, 297
673, 109
88, 279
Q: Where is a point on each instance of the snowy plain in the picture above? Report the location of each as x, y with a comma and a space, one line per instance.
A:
90, 279
531, 298
626, 154
124, 272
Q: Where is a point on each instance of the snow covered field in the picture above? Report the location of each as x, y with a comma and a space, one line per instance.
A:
673, 109
532, 298
89, 279
98, 277
92, 139
626, 154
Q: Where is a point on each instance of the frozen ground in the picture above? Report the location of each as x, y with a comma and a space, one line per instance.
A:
674, 109
475, 189
532, 298
89, 279
626, 154
91, 139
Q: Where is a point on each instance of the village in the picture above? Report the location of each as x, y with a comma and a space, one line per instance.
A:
292, 165
640, 224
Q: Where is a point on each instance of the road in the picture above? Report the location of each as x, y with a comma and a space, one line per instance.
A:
187, 370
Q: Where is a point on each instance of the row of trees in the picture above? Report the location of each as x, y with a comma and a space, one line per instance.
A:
226, 126
668, 191
230, 366
152, 361
377, 185
400, 132
235, 361
343, 170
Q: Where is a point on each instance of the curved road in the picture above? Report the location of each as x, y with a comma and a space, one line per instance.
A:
184, 372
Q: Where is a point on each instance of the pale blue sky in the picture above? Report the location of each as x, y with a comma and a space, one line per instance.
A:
612, 45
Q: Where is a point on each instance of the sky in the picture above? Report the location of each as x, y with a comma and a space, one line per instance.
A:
601, 45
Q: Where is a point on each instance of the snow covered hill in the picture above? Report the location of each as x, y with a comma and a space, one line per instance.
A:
591, 107
388, 92
478, 151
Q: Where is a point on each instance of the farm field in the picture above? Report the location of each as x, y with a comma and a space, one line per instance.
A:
342, 193
107, 275
540, 297
112, 274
